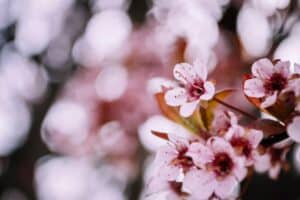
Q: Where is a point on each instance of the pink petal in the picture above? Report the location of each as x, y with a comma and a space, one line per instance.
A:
156, 185
187, 109
254, 88
176, 96
234, 131
170, 172
209, 91
218, 144
199, 183
274, 171
200, 154
163, 164
254, 137
296, 68
270, 100
173, 196
240, 170
233, 118
262, 68
262, 163
283, 68
293, 85
293, 129
226, 187
164, 157
179, 142
185, 73
201, 69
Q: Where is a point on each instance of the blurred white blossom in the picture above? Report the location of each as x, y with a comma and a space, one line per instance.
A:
111, 82
254, 31
64, 178
66, 121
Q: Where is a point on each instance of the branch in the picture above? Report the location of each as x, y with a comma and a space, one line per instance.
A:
269, 141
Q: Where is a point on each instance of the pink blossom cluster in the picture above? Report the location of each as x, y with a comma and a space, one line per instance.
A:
205, 169
216, 159
277, 88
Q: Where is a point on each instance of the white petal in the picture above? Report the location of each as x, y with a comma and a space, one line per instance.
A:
254, 88
262, 68
185, 73
293, 129
187, 109
270, 100
176, 96
209, 91
226, 187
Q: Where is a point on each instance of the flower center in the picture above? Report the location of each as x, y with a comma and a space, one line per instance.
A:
275, 82
182, 160
196, 89
222, 164
241, 145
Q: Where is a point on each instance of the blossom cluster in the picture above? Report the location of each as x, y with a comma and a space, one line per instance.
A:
221, 153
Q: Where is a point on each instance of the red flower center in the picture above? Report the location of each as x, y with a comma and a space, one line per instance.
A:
222, 164
195, 90
182, 160
241, 145
276, 82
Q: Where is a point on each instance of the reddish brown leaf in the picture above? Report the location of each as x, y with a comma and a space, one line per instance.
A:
268, 126
160, 135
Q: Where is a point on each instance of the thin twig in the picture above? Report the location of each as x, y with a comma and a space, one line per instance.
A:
235, 108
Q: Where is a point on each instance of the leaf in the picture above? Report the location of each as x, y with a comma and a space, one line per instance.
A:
192, 123
207, 111
161, 135
268, 126
284, 106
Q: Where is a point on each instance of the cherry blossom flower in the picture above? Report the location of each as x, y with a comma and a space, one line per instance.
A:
268, 81
166, 190
194, 88
220, 170
223, 122
245, 142
272, 162
170, 165
171, 160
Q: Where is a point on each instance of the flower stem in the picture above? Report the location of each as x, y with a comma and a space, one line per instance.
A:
235, 108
